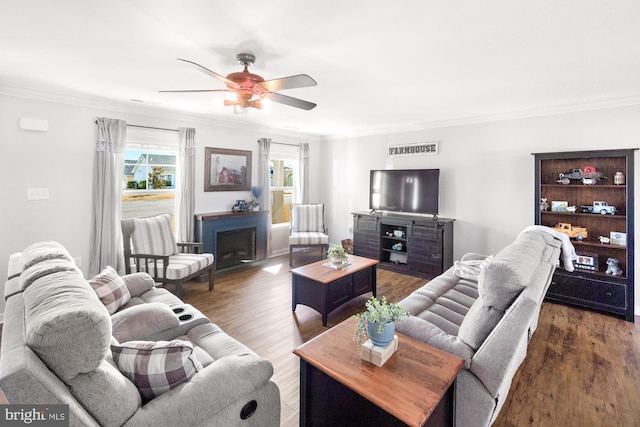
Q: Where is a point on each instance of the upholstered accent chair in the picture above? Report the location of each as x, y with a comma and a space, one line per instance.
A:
307, 228
150, 247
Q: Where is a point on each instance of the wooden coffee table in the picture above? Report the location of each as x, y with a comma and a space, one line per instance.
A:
414, 387
324, 289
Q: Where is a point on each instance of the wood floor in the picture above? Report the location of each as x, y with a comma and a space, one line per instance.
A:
582, 367
254, 306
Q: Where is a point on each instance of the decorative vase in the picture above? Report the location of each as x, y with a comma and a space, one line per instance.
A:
335, 260
384, 338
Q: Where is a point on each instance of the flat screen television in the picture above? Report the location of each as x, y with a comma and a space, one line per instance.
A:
405, 190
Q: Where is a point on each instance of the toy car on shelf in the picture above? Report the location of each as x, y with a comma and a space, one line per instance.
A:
587, 175
599, 207
579, 233
566, 177
240, 206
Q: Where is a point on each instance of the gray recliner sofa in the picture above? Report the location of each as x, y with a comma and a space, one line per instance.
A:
485, 310
58, 346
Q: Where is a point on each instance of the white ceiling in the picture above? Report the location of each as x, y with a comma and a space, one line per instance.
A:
380, 66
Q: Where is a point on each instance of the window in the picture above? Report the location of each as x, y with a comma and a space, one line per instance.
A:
149, 181
283, 169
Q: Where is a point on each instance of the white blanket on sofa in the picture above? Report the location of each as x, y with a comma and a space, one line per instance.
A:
568, 254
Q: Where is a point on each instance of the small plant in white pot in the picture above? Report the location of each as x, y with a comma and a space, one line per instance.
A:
254, 203
337, 255
378, 322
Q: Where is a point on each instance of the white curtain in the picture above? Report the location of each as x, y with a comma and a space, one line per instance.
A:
263, 181
106, 234
302, 186
185, 195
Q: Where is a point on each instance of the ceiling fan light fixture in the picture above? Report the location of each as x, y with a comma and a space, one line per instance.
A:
242, 104
231, 96
248, 90
237, 106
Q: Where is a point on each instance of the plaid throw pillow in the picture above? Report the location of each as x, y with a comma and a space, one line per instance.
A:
156, 367
110, 289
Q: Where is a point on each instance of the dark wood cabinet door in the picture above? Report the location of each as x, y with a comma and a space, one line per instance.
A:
363, 281
366, 237
340, 291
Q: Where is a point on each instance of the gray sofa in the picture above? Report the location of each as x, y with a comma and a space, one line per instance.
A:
61, 345
485, 310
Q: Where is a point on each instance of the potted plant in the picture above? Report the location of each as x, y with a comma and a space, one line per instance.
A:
379, 321
254, 203
337, 255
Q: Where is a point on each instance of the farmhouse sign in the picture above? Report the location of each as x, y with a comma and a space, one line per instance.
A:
419, 149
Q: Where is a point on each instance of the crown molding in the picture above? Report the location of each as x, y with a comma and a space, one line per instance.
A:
167, 113
148, 110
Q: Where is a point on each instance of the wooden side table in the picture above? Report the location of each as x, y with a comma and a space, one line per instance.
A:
324, 289
415, 387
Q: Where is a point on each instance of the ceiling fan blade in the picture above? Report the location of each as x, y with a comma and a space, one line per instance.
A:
197, 90
207, 71
291, 82
292, 102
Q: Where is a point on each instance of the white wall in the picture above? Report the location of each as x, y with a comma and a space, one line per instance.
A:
487, 170
62, 161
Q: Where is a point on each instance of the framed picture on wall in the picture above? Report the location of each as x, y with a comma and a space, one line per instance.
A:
226, 169
559, 206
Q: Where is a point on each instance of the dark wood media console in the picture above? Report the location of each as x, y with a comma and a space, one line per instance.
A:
409, 244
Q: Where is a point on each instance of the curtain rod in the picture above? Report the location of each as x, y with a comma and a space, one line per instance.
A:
149, 127
152, 127
284, 143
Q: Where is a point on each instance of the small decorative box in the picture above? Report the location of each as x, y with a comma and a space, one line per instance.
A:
618, 238
378, 355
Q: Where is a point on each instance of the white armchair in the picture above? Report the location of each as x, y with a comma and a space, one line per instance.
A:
307, 229
150, 247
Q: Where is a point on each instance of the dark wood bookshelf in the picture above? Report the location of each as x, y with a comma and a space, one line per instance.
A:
594, 289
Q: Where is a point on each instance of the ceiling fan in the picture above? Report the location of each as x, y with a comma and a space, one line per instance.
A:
251, 89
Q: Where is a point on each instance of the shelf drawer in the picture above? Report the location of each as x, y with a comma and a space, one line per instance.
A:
588, 292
